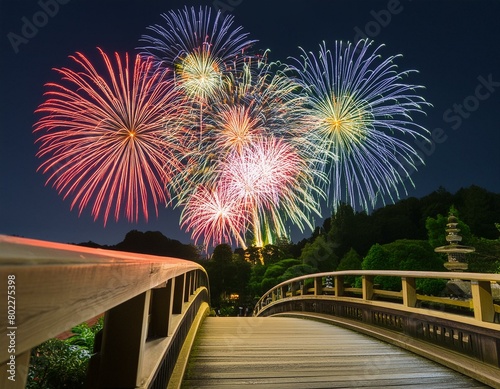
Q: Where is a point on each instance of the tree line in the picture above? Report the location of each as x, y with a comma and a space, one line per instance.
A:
400, 236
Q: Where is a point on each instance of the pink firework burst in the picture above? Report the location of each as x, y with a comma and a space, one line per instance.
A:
273, 183
216, 215
103, 140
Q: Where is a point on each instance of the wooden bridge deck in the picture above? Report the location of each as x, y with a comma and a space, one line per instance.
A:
279, 352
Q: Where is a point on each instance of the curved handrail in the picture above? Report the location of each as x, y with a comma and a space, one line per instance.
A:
481, 300
56, 286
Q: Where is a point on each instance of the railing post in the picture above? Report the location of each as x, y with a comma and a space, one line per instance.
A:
124, 338
283, 291
409, 291
178, 295
187, 286
482, 301
161, 311
318, 285
193, 282
196, 280
367, 286
339, 286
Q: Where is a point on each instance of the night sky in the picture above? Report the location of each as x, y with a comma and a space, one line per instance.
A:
455, 46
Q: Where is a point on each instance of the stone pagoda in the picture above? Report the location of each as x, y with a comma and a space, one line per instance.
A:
455, 251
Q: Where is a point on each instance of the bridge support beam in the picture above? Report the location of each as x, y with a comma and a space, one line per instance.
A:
178, 295
161, 311
318, 285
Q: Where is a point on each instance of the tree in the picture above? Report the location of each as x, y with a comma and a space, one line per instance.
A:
350, 261
253, 254
296, 271
271, 254
479, 209
273, 274
486, 258
320, 254
223, 253
256, 277
404, 254
228, 274
435, 203
155, 243
436, 229
348, 229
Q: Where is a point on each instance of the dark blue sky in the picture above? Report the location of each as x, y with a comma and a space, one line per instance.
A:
455, 46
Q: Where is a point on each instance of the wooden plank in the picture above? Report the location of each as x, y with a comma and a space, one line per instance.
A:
277, 352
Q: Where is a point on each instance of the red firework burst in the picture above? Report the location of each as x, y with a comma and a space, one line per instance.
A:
107, 138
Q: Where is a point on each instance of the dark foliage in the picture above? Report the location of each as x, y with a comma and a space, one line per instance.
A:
59, 363
406, 219
154, 243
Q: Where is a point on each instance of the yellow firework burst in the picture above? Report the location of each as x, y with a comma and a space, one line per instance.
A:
200, 74
344, 122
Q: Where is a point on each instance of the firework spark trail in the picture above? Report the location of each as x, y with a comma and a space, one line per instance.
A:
103, 135
360, 104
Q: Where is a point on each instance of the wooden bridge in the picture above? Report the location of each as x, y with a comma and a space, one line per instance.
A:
287, 352
157, 334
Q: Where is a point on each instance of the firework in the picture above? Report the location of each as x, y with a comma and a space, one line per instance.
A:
243, 146
261, 102
104, 135
273, 183
258, 103
216, 215
362, 108
200, 48
254, 149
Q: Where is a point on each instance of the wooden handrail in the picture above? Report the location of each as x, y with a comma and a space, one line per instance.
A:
481, 300
57, 286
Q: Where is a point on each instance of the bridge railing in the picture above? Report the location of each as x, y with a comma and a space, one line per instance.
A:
149, 303
467, 329
481, 302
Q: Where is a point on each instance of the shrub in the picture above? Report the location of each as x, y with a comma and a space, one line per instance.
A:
60, 363
431, 286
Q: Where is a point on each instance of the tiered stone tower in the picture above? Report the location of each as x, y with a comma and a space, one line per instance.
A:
455, 251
